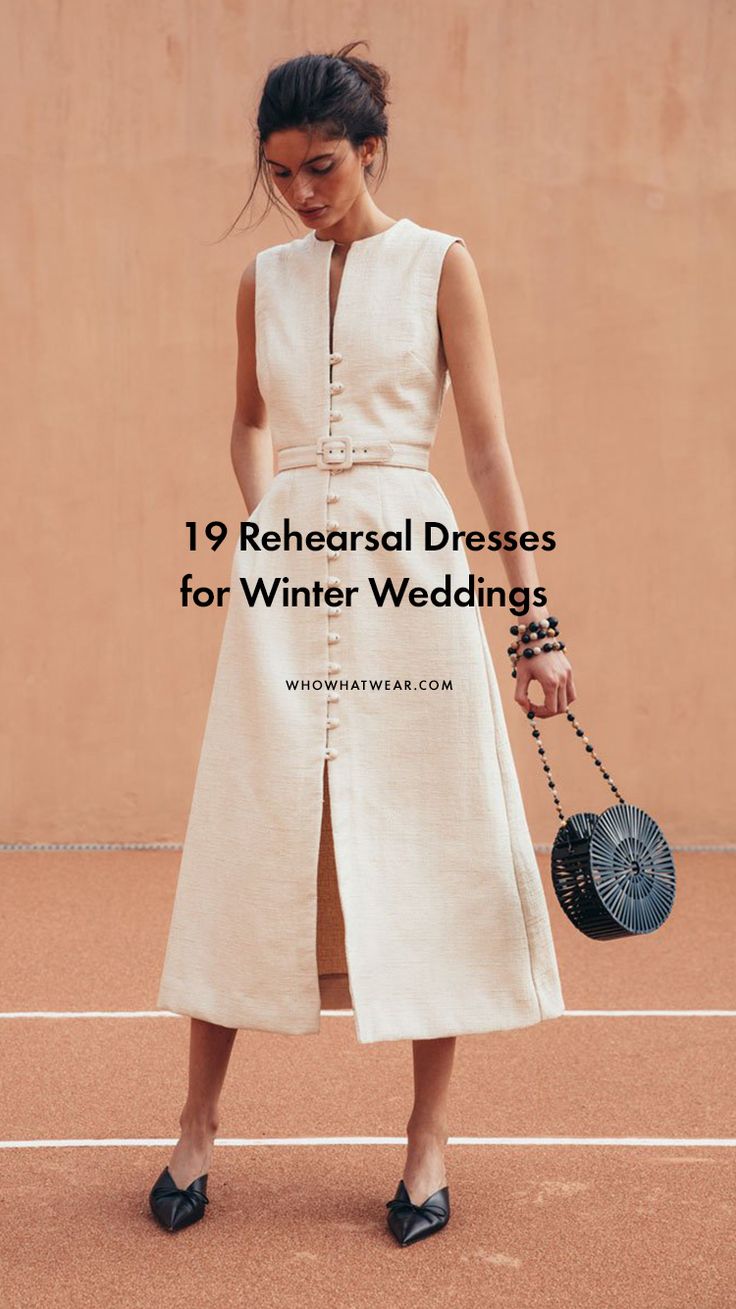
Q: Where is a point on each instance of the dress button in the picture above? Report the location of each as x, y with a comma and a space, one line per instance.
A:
333, 525
334, 668
333, 722
333, 581
333, 638
335, 357
334, 613
332, 497
330, 753
332, 696
333, 554
335, 415
336, 388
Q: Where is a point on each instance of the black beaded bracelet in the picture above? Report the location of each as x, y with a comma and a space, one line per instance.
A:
534, 631
513, 650
534, 626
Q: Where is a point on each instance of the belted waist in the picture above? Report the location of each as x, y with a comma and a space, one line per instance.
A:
336, 453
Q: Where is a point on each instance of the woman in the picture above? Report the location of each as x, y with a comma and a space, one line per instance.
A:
345, 338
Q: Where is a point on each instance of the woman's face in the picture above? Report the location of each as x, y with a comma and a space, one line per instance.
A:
320, 178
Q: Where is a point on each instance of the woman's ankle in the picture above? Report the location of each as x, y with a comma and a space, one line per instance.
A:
431, 1131
198, 1125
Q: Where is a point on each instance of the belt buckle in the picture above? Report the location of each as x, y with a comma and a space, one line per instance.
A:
339, 455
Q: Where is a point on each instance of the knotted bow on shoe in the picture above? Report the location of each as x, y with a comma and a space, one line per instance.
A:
410, 1222
177, 1207
399, 1205
194, 1196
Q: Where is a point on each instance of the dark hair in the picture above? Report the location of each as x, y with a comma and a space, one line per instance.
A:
338, 94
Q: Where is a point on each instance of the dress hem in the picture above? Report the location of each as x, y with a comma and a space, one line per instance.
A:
483, 1030
191, 1011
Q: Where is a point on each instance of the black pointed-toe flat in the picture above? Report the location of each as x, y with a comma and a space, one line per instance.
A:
412, 1222
176, 1208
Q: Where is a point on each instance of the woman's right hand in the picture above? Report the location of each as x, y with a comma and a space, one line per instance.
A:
553, 671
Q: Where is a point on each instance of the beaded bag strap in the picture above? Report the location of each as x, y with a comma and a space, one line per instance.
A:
589, 749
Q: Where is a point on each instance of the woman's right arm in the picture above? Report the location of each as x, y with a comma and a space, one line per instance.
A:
250, 443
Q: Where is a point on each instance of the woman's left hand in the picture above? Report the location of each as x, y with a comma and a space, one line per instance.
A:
553, 671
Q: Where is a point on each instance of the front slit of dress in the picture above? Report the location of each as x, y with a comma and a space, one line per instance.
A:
331, 960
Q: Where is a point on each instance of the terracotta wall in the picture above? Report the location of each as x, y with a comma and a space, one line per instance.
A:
585, 151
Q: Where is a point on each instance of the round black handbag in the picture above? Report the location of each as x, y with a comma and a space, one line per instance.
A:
613, 872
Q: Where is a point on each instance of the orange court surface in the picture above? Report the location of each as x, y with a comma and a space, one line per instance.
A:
590, 1161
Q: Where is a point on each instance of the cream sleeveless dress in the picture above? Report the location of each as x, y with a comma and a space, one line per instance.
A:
334, 828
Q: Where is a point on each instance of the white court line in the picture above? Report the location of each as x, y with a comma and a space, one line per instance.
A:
348, 1013
655, 1141
7, 847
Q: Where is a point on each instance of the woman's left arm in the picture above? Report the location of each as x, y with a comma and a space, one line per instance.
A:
471, 359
